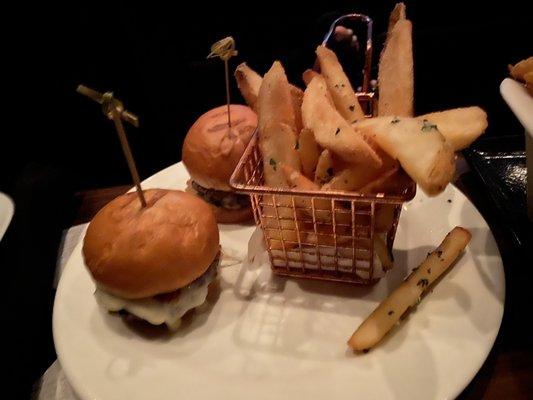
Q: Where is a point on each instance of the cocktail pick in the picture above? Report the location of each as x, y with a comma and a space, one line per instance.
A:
225, 49
114, 110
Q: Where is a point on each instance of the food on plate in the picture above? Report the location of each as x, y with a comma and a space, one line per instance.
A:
308, 76
157, 262
331, 130
460, 126
248, 82
277, 127
521, 68
380, 247
419, 147
395, 76
338, 85
523, 72
397, 14
324, 168
211, 151
360, 177
309, 152
409, 293
309, 173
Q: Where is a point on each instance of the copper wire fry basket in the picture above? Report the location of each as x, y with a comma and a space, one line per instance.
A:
317, 234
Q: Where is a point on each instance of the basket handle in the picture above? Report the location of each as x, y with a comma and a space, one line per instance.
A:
368, 51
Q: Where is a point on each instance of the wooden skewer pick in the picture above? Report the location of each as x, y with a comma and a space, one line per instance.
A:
225, 49
114, 110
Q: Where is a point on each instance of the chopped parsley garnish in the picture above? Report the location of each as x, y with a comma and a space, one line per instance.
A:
352, 107
428, 126
395, 120
422, 283
337, 131
272, 162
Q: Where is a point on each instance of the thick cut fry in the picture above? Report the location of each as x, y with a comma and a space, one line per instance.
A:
354, 177
249, 83
308, 76
395, 76
388, 313
331, 129
460, 126
339, 85
297, 96
309, 152
324, 168
520, 69
419, 147
397, 14
384, 217
277, 128
298, 181
380, 248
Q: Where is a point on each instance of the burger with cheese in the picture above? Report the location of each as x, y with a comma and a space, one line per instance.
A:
154, 262
211, 151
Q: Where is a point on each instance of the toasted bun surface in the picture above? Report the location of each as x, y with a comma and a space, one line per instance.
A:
211, 149
135, 252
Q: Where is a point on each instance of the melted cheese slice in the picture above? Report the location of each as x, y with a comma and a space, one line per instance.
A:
157, 312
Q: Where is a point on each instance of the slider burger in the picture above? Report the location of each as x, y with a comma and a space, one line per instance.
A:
156, 262
211, 151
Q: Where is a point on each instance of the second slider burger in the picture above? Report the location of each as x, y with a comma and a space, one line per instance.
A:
154, 262
211, 151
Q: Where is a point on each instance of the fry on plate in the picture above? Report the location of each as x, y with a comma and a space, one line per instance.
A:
460, 126
388, 313
338, 85
331, 129
419, 147
277, 127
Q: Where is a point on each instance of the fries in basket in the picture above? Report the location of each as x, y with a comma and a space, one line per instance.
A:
327, 181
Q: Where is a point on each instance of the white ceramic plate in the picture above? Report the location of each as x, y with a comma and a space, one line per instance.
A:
286, 339
7, 208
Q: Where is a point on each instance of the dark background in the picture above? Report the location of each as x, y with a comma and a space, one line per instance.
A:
153, 56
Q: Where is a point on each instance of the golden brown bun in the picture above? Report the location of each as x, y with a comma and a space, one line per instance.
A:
211, 149
133, 252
